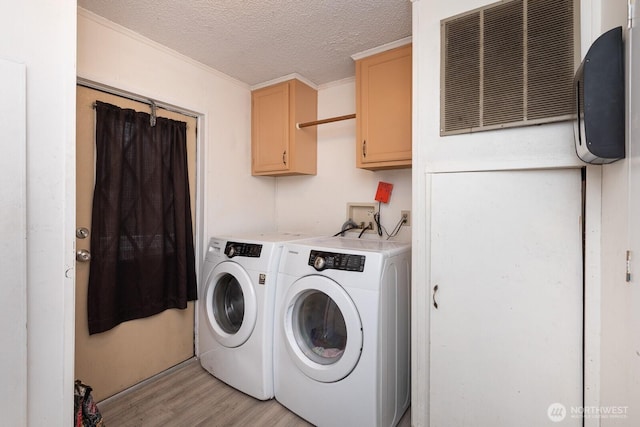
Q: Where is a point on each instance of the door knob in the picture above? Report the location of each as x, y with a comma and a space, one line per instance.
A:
82, 233
83, 255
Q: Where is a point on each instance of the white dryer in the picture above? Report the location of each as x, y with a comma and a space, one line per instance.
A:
341, 355
235, 310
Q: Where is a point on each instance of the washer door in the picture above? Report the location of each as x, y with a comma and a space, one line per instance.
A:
230, 304
323, 331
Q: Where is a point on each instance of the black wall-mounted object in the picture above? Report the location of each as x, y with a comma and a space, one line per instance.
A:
600, 101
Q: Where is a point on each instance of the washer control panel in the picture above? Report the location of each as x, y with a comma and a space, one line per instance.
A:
252, 250
321, 260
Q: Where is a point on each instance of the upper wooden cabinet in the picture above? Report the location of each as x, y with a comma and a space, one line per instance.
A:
278, 147
383, 108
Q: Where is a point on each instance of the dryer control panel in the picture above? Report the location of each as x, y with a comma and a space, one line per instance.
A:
336, 261
252, 250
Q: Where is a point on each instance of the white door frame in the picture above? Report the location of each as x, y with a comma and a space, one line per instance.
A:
13, 246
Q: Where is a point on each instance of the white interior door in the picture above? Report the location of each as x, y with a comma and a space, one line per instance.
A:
506, 316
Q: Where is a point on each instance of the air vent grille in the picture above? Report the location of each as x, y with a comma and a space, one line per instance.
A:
510, 64
462, 88
503, 65
550, 58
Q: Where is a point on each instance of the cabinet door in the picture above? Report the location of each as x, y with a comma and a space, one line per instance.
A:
384, 109
506, 336
270, 129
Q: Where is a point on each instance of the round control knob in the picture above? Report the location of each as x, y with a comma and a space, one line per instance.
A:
319, 264
231, 252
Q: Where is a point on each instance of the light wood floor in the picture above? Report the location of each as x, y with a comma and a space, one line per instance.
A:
189, 396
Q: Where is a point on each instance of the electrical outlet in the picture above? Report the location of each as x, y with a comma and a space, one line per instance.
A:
361, 214
406, 215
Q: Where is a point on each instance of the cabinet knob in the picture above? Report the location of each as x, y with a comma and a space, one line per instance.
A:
364, 148
284, 157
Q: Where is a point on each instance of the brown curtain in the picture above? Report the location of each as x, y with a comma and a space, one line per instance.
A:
141, 240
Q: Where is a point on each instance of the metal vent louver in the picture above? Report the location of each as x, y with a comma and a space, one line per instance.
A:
507, 65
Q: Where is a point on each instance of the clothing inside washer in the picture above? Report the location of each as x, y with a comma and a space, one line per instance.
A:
320, 329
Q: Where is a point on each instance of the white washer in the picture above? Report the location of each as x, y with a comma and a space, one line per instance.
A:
341, 350
235, 310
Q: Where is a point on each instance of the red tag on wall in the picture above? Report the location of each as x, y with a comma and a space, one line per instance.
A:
384, 192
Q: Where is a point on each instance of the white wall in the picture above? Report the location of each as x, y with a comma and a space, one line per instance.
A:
318, 204
538, 147
231, 197
41, 35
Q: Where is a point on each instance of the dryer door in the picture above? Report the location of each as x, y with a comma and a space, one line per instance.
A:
230, 304
323, 330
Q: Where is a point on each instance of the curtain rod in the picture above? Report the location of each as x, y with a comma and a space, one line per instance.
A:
152, 107
323, 121
134, 97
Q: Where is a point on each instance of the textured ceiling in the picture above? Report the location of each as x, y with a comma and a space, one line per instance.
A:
260, 40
